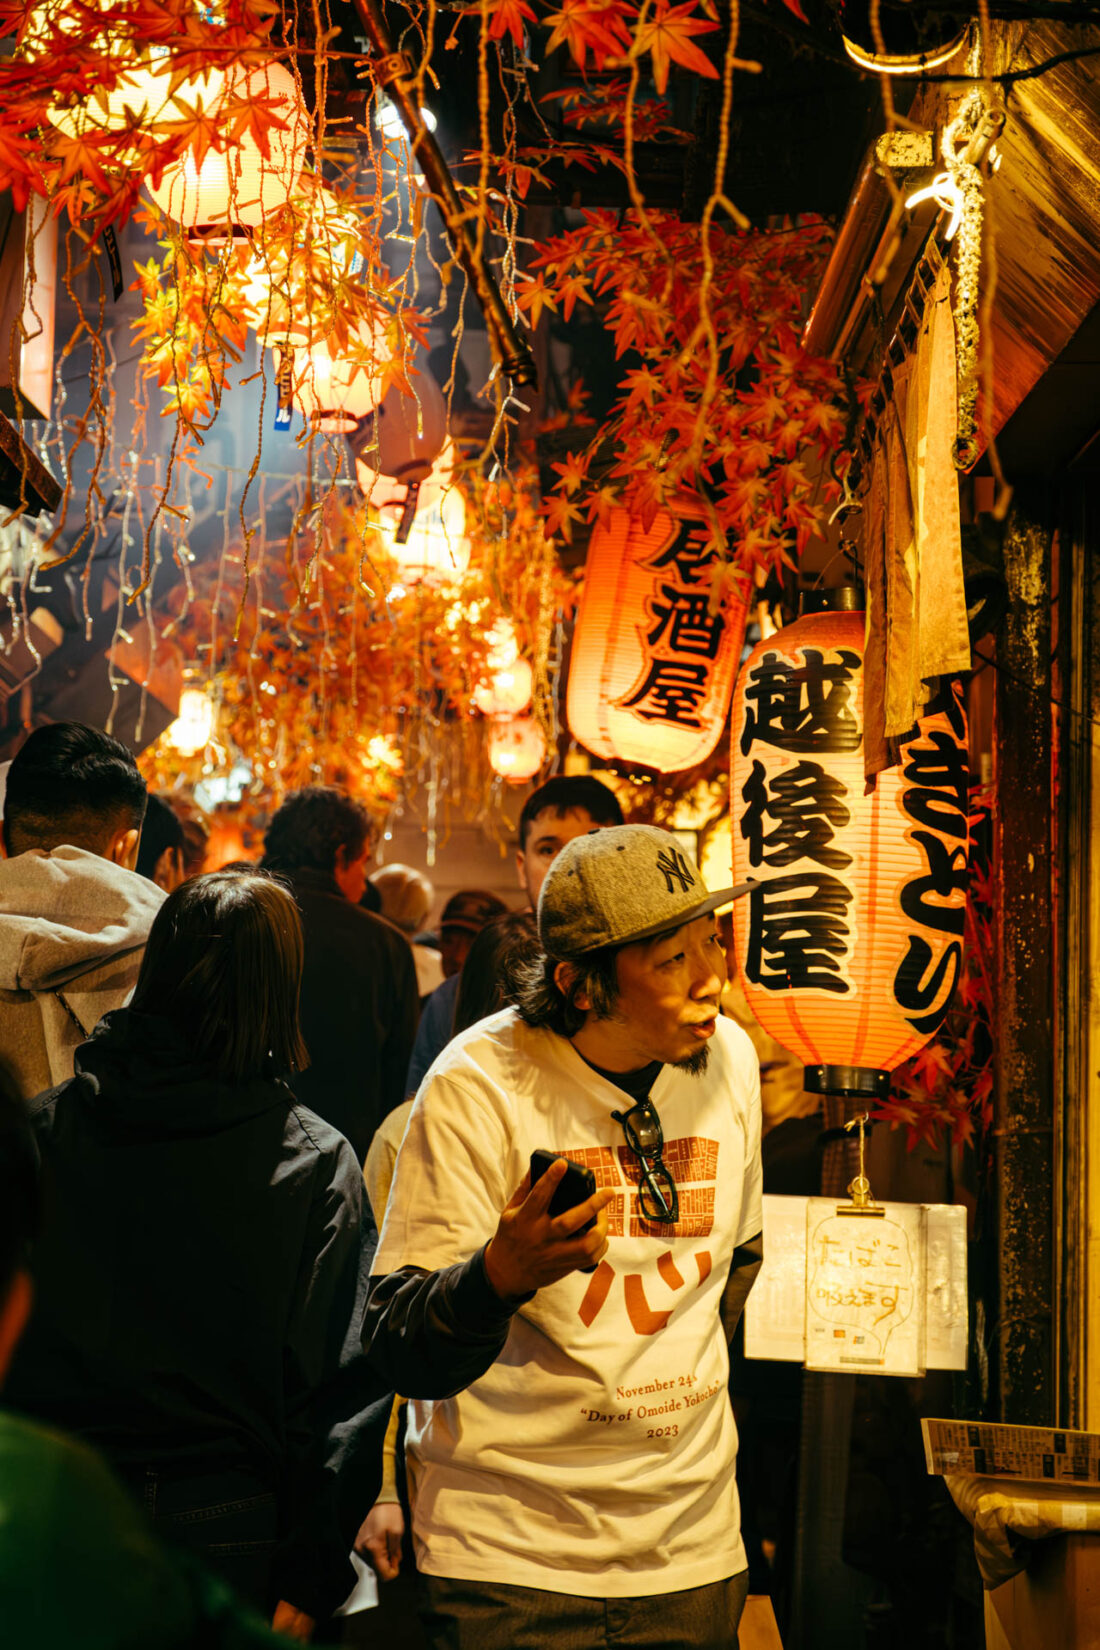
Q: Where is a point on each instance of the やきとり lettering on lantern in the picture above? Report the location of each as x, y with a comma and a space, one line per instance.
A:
850, 944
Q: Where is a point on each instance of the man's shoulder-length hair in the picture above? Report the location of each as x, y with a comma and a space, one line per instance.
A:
542, 1001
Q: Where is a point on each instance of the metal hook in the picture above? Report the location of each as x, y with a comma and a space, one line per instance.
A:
860, 1188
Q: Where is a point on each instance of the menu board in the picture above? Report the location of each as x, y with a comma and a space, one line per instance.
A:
988, 1449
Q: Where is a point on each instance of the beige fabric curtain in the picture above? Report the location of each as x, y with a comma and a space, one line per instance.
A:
916, 605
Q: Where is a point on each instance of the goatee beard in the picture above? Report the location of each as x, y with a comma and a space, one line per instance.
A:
695, 1064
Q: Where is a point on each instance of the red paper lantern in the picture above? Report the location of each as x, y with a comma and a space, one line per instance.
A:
652, 665
850, 946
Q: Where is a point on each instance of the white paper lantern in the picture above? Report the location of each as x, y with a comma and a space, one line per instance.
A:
240, 184
336, 387
517, 748
437, 548
506, 692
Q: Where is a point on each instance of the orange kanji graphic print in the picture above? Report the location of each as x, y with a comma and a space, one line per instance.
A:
688, 1158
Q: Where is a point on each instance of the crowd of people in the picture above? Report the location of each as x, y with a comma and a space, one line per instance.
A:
218, 1089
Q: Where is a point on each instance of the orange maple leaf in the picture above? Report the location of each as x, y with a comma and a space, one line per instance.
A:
667, 37
585, 27
509, 17
533, 297
559, 514
573, 472
574, 287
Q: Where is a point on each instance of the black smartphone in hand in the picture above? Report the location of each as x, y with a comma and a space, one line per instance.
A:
576, 1185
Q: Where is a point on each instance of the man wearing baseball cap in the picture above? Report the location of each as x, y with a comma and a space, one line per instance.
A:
571, 1447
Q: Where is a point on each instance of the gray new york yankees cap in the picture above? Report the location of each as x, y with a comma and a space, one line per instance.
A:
623, 883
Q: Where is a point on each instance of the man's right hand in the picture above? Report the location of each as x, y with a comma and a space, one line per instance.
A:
531, 1249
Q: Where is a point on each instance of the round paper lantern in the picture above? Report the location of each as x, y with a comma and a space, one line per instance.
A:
239, 184
436, 548
336, 387
517, 748
386, 493
141, 97
507, 691
320, 243
407, 434
850, 945
142, 92
503, 645
652, 665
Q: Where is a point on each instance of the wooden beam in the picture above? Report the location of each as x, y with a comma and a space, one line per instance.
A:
1024, 1147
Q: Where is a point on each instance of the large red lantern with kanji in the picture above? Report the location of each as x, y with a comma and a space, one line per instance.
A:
653, 660
850, 945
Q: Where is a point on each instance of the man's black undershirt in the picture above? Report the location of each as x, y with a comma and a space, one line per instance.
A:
636, 1084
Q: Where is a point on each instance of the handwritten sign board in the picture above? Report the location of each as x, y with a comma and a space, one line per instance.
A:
881, 1294
864, 1277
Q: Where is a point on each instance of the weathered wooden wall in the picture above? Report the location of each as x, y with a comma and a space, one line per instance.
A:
1044, 208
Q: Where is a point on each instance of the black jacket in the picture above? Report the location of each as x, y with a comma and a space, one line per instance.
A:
358, 1010
200, 1284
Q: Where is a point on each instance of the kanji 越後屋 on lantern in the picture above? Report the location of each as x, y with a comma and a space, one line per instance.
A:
653, 657
850, 944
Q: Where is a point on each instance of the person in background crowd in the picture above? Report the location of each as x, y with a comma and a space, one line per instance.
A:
492, 978
359, 996
593, 1408
74, 914
160, 852
568, 806
78, 1564
406, 897
464, 916
201, 1277
196, 837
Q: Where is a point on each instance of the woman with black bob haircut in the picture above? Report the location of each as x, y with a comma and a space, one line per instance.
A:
201, 1272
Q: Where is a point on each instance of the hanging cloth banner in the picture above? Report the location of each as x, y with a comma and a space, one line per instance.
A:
913, 550
653, 659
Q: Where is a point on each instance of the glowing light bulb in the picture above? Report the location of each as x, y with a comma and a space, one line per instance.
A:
948, 197
390, 123
193, 727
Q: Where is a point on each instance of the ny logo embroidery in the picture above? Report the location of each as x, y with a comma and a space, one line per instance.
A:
675, 868
644, 1318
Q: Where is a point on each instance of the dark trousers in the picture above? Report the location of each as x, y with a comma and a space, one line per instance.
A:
487, 1615
230, 1520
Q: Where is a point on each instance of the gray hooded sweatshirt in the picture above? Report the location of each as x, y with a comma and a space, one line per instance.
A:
73, 928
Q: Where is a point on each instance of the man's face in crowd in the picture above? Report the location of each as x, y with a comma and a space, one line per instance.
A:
547, 835
669, 999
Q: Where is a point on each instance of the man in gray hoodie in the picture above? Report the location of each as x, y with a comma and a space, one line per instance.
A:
74, 914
